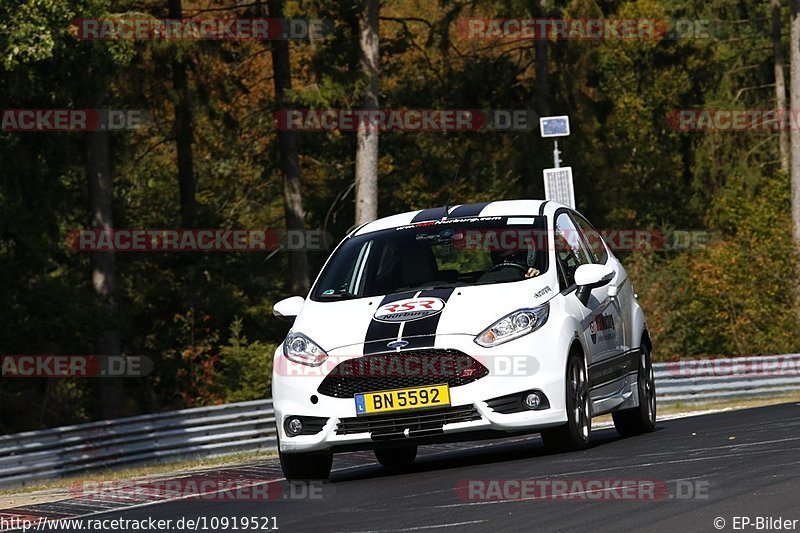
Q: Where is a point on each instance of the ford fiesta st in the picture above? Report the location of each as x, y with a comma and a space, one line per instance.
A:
460, 323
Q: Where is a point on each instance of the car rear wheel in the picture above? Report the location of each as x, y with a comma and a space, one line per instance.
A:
574, 435
396, 457
306, 466
641, 419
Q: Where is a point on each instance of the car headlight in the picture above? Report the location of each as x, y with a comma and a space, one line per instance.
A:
300, 349
514, 326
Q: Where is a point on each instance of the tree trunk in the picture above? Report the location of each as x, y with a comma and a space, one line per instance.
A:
183, 132
794, 53
104, 267
289, 163
542, 65
780, 81
367, 137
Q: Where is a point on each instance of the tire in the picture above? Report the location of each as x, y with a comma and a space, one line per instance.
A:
640, 419
396, 458
306, 466
575, 434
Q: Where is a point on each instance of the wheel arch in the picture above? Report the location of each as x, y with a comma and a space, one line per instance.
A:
646, 341
639, 333
576, 347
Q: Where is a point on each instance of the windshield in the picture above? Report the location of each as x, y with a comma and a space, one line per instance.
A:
448, 253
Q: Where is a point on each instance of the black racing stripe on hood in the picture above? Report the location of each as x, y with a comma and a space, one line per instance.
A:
434, 213
468, 210
414, 343
424, 330
378, 332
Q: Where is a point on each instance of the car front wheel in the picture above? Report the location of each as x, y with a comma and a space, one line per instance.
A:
574, 435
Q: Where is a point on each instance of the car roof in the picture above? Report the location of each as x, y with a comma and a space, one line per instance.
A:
482, 209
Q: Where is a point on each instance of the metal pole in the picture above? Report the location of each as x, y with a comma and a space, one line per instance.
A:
556, 155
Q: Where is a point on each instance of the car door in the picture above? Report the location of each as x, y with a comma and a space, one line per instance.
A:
571, 252
602, 326
619, 304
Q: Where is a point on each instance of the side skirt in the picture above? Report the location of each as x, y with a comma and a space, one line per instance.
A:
626, 396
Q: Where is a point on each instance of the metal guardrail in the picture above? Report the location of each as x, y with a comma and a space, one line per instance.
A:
250, 426
705, 380
189, 433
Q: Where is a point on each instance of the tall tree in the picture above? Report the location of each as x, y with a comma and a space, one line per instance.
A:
183, 130
780, 81
367, 137
794, 57
542, 88
289, 161
104, 266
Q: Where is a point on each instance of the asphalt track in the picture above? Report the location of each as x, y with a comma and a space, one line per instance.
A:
742, 463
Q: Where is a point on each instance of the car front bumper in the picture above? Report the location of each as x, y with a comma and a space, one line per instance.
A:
510, 371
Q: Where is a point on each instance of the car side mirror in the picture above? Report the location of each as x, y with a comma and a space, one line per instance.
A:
590, 277
288, 308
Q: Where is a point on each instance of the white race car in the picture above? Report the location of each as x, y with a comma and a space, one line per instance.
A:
460, 323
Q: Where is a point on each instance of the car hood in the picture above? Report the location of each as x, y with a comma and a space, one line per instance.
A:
452, 311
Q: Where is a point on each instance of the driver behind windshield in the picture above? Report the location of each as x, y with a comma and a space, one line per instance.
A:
510, 265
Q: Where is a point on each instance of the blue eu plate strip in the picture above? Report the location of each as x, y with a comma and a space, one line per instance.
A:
361, 407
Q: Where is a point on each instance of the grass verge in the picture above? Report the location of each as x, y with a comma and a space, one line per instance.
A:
58, 489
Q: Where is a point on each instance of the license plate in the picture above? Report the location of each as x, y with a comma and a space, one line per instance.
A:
402, 399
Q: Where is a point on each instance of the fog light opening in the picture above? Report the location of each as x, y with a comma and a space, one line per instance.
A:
293, 426
532, 401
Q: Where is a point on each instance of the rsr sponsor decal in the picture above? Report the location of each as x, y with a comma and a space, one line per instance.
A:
445, 220
409, 309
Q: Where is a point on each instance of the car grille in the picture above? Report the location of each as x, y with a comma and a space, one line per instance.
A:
396, 370
428, 420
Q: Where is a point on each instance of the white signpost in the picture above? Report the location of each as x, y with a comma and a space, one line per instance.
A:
557, 180
558, 186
